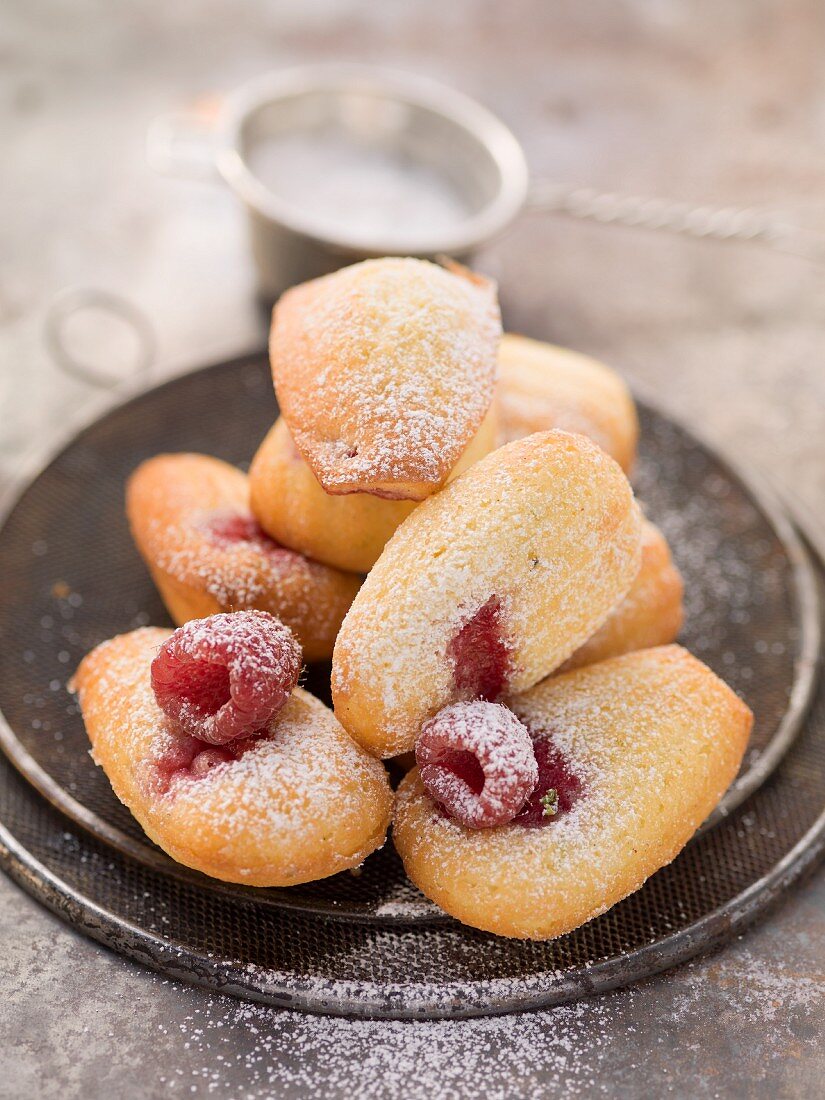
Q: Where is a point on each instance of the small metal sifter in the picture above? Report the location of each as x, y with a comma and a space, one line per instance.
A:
335, 163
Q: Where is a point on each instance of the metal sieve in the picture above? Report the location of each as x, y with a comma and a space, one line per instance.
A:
750, 589
406, 132
390, 129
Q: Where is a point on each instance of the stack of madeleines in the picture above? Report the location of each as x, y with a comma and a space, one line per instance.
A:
445, 513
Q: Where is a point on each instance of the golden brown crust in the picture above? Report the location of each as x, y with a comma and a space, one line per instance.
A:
384, 372
655, 737
541, 386
651, 613
302, 804
348, 532
168, 500
547, 525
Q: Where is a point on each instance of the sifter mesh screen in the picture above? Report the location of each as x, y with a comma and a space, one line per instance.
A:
719, 882
73, 578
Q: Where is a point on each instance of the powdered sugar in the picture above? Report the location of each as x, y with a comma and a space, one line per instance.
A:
384, 372
749, 1001
653, 739
739, 592
542, 386
257, 1053
650, 614
241, 574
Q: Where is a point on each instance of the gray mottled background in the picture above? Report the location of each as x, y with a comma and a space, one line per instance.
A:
708, 102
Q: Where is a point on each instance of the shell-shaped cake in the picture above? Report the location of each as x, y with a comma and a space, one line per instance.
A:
541, 386
651, 613
634, 753
348, 532
487, 587
190, 519
298, 803
384, 372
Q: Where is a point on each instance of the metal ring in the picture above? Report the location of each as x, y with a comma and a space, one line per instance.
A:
74, 300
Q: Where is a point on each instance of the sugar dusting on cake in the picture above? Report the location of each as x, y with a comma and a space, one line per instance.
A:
191, 521
391, 370
542, 386
652, 738
303, 773
243, 572
524, 525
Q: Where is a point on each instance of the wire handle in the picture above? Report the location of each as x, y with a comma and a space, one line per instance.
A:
718, 223
74, 300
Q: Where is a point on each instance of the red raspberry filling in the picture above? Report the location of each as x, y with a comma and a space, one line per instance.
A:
481, 654
229, 529
476, 761
557, 790
189, 758
227, 676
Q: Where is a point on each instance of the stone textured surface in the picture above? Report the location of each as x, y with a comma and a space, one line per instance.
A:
705, 102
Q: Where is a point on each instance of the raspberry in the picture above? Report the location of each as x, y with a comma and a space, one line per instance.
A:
557, 790
227, 676
481, 655
476, 761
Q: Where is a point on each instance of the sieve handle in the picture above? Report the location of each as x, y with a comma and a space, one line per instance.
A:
74, 300
727, 223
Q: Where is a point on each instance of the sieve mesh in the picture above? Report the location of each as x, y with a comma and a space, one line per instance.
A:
722, 880
73, 578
